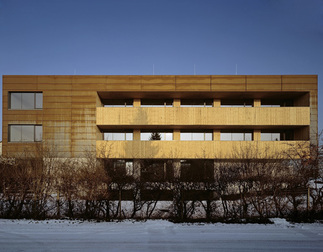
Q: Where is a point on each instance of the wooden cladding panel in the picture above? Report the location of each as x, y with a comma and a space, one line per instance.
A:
228, 83
264, 83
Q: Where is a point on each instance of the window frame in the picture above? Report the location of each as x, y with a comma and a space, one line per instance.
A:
36, 100
163, 103
203, 103
162, 133
36, 139
232, 135
128, 135
236, 103
205, 133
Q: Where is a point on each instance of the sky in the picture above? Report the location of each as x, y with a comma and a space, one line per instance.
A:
162, 37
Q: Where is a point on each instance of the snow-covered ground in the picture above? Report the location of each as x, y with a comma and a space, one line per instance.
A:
58, 235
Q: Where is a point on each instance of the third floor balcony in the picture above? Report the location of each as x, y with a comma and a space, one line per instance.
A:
201, 116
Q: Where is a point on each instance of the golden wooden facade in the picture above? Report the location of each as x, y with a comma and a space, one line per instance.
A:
73, 116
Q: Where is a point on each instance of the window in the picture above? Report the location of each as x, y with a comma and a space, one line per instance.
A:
156, 135
284, 135
236, 136
25, 133
118, 136
196, 136
26, 100
156, 102
276, 103
156, 170
236, 103
119, 168
118, 103
125, 166
197, 170
196, 103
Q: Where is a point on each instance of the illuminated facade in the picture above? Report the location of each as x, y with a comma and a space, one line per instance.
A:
192, 117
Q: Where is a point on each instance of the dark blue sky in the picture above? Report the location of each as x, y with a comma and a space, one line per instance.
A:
131, 36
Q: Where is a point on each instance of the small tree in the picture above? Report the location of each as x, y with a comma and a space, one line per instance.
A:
155, 136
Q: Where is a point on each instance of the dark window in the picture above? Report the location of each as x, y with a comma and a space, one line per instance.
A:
197, 170
118, 103
156, 102
25, 133
157, 170
25, 100
276, 103
236, 103
196, 103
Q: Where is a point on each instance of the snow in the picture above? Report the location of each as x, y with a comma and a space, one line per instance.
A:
157, 235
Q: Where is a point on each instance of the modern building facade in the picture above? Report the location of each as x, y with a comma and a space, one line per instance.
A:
183, 118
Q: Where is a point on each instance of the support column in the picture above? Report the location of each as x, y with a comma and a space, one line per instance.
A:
216, 135
136, 170
177, 102
256, 102
136, 135
216, 103
177, 169
256, 135
176, 135
136, 102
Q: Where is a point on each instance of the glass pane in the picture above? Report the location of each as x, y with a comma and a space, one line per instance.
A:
28, 101
15, 100
248, 136
208, 136
198, 136
108, 136
185, 136
114, 106
169, 136
114, 103
129, 136
237, 136
27, 133
152, 103
265, 136
208, 103
169, 103
129, 168
225, 136
38, 133
162, 135
39, 101
15, 133
275, 137
192, 103
145, 136
116, 136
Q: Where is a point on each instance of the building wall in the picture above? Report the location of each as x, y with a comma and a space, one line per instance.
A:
73, 116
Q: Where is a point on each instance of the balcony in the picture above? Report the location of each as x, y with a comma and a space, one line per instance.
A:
201, 117
200, 149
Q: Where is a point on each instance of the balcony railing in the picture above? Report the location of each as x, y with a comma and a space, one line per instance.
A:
201, 149
203, 117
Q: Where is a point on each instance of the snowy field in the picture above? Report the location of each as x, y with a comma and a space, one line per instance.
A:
152, 236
